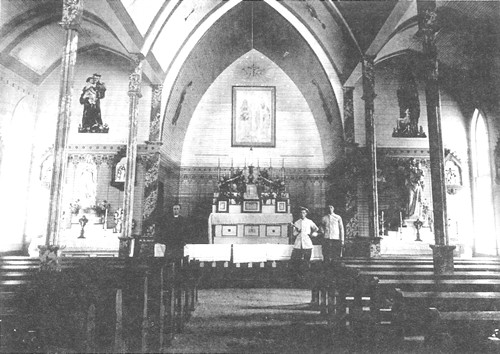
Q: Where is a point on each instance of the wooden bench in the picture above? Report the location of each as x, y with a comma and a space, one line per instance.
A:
428, 313
426, 285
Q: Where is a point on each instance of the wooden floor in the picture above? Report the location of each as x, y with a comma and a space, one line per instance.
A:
254, 321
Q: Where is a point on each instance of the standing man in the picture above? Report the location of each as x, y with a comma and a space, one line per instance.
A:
333, 235
174, 234
303, 230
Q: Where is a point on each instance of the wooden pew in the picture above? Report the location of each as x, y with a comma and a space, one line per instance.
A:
413, 316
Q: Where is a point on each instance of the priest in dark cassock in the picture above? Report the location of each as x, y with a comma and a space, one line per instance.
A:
174, 234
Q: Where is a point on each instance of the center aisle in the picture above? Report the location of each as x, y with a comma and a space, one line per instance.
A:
253, 320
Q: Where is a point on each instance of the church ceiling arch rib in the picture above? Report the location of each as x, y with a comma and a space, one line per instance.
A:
466, 40
229, 38
23, 21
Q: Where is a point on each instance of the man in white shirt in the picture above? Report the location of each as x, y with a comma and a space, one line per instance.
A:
303, 230
333, 235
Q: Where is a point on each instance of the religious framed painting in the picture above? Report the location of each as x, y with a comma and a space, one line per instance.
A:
254, 116
281, 206
222, 206
251, 206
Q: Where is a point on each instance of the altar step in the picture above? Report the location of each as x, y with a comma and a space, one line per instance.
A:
404, 243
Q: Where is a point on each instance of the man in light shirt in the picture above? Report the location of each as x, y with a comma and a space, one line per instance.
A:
333, 235
303, 230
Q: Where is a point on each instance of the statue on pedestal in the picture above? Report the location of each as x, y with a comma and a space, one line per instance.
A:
415, 186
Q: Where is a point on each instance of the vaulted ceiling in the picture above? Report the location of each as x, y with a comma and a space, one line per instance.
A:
192, 40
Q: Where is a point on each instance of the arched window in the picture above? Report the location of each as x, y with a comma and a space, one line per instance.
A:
485, 240
14, 176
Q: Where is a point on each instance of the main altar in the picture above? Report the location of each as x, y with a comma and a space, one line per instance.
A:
250, 207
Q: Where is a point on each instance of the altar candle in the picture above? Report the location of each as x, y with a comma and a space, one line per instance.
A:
218, 171
400, 219
382, 217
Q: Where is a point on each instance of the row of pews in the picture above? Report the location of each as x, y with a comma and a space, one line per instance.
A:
402, 299
95, 304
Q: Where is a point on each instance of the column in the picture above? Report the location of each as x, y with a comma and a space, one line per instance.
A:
71, 19
352, 153
134, 93
155, 118
153, 188
443, 253
371, 144
349, 115
153, 202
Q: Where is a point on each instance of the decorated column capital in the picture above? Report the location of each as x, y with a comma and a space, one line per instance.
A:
72, 13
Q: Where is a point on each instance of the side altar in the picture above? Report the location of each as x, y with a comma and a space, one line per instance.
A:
251, 207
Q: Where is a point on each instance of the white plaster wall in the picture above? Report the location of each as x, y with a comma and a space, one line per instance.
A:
208, 137
114, 107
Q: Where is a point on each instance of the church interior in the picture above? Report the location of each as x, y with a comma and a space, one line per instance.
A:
237, 115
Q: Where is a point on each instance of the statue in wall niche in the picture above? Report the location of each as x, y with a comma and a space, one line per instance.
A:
415, 185
86, 184
92, 93
409, 107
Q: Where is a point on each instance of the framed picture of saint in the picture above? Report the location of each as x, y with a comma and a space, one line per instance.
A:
254, 116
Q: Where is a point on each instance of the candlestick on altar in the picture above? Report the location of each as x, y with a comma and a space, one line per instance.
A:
105, 223
218, 170
400, 225
382, 223
283, 169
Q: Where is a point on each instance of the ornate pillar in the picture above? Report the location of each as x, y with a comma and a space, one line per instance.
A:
155, 118
153, 201
71, 19
371, 143
349, 115
134, 92
443, 253
350, 177
153, 188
